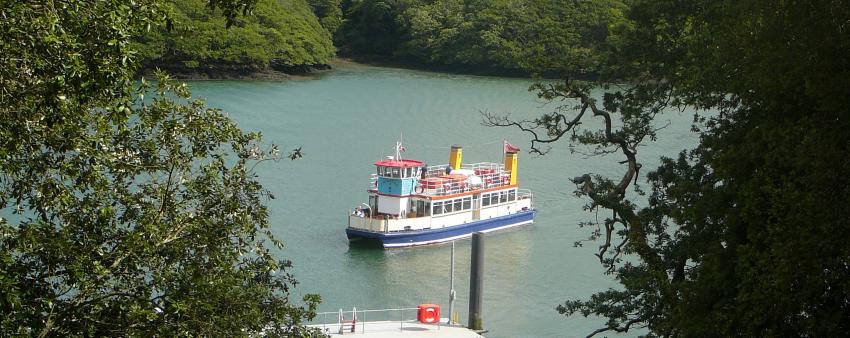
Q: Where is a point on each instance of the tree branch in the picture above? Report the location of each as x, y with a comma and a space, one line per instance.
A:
619, 329
555, 124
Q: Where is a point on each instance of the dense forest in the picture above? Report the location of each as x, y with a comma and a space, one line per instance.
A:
545, 37
128, 208
504, 36
279, 35
743, 235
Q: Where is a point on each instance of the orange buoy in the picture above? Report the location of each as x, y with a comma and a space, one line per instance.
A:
429, 313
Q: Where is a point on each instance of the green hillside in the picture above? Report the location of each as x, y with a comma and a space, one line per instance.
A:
283, 35
548, 37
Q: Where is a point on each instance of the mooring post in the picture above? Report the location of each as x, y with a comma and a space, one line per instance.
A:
476, 282
452, 286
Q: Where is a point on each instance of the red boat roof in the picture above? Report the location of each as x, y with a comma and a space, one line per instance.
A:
399, 163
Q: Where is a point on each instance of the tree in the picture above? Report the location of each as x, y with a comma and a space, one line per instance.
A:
520, 37
281, 35
542, 37
127, 210
741, 236
329, 13
370, 28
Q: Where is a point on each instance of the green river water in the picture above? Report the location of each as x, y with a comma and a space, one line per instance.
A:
349, 118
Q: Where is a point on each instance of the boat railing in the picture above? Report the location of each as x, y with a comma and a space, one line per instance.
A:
525, 194
436, 170
484, 166
384, 223
491, 175
374, 223
358, 320
373, 181
486, 180
439, 170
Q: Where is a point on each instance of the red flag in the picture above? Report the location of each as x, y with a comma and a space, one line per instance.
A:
510, 148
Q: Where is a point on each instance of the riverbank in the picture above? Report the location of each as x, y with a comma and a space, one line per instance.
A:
307, 73
265, 74
415, 65
311, 72
456, 70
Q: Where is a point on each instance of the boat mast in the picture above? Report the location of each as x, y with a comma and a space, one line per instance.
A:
399, 147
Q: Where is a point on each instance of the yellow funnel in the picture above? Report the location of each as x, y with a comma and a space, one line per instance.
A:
456, 156
511, 165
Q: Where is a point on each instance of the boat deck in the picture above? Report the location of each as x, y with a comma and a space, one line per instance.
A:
393, 329
437, 181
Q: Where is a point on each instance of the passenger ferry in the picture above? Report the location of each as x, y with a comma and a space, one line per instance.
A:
413, 204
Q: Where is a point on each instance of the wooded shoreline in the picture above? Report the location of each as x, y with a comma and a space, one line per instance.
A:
309, 72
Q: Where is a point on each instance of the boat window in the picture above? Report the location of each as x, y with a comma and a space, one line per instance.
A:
409, 172
503, 197
512, 195
458, 204
395, 173
438, 208
485, 200
448, 207
467, 203
494, 198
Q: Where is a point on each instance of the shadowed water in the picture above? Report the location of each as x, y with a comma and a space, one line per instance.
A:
347, 119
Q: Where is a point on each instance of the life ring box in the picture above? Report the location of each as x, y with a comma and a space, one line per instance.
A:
428, 313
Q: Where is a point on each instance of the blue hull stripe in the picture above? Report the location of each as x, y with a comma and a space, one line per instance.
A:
431, 236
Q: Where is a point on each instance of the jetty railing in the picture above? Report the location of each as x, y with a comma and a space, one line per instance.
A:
357, 320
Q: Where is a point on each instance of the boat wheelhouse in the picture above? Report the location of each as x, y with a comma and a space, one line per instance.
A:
412, 204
